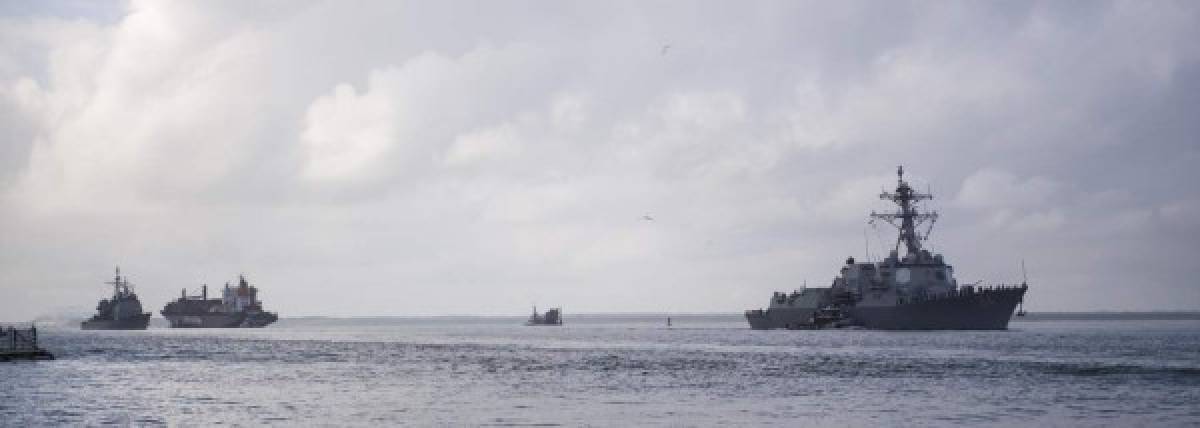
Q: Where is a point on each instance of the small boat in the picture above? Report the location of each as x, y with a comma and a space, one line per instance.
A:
551, 317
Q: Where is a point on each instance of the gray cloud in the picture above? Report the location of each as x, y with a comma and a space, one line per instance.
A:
458, 157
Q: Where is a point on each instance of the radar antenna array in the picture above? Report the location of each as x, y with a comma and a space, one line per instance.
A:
120, 284
907, 218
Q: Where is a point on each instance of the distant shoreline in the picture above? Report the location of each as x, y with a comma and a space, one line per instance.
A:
1110, 315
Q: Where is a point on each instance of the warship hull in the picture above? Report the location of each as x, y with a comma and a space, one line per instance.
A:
221, 320
977, 311
984, 310
792, 319
139, 322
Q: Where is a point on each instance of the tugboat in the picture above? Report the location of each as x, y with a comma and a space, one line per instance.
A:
238, 307
552, 317
123, 311
915, 292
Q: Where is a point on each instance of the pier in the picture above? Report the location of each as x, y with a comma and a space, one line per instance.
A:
21, 344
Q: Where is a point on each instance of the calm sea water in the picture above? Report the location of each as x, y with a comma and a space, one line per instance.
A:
611, 371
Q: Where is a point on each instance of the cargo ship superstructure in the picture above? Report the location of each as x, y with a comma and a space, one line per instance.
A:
916, 291
122, 311
238, 307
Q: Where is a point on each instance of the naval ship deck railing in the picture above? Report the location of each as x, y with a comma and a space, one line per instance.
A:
964, 292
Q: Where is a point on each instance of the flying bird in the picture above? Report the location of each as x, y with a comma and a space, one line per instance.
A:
647, 217
665, 48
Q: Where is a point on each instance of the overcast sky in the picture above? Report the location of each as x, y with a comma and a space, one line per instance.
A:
440, 157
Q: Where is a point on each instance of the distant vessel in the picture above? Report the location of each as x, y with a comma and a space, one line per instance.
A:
551, 317
914, 292
122, 311
238, 307
21, 344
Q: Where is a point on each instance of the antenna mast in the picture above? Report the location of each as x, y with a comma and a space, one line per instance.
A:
117, 283
866, 246
907, 218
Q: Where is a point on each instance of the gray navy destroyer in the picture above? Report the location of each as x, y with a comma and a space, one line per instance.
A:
916, 291
238, 307
122, 311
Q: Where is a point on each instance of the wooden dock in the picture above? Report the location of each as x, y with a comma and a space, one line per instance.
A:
21, 344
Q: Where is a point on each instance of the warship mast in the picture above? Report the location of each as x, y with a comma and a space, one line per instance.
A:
118, 284
907, 218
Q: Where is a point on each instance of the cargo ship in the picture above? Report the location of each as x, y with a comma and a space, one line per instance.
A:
238, 307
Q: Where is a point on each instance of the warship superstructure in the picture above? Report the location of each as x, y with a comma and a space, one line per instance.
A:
916, 291
238, 307
122, 311
551, 317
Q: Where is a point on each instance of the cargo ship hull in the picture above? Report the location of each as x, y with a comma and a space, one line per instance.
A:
221, 320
